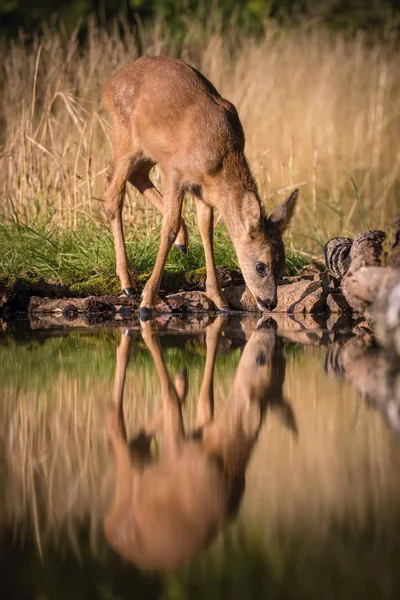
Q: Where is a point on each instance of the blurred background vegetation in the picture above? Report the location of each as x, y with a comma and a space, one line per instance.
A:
348, 15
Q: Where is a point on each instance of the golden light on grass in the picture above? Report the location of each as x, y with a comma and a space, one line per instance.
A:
319, 112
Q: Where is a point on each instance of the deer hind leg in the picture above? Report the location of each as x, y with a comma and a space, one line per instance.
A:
155, 423
173, 198
205, 220
171, 415
142, 182
117, 177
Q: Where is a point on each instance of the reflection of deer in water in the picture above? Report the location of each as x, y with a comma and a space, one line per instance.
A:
165, 510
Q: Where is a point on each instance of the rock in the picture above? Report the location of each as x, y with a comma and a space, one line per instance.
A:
386, 313
185, 302
366, 249
362, 287
337, 256
196, 280
343, 255
240, 298
336, 302
395, 249
70, 307
313, 268
15, 292
228, 276
296, 278
300, 296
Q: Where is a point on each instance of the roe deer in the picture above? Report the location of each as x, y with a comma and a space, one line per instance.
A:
166, 112
165, 510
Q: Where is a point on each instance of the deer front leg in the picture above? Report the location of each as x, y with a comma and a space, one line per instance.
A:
124, 473
117, 178
205, 220
205, 403
171, 223
116, 425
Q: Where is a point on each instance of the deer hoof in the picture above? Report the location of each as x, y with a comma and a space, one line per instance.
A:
225, 309
145, 313
128, 291
182, 248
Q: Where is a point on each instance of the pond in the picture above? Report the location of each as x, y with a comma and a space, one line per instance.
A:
202, 457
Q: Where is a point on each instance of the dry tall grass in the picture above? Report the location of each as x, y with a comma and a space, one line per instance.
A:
319, 112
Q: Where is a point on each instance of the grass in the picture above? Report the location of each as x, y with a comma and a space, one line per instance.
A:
38, 364
70, 255
320, 111
82, 258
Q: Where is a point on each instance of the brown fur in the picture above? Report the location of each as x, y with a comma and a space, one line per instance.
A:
166, 112
164, 510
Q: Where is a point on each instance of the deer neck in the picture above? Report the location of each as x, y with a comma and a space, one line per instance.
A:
235, 181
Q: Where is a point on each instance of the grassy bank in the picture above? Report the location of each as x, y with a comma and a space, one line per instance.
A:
82, 259
320, 111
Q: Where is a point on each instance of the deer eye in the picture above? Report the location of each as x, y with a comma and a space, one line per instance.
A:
261, 268
261, 359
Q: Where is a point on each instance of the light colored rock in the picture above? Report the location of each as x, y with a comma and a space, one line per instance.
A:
240, 298
298, 297
362, 287
386, 313
302, 296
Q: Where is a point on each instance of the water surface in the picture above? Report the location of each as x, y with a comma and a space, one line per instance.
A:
298, 497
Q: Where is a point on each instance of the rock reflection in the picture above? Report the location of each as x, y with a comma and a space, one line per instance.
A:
373, 372
166, 508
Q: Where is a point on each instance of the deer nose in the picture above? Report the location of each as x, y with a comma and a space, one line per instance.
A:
266, 304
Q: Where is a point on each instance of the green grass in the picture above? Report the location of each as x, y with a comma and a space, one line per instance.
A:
84, 259
37, 363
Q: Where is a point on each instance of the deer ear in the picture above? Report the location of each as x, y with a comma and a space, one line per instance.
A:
283, 214
286, 416
250, 212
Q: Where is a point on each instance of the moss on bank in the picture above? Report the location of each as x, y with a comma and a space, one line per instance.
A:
101, 285
46, 260
16, 291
